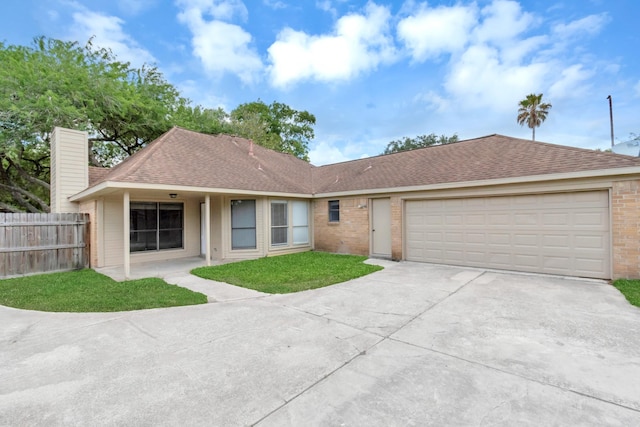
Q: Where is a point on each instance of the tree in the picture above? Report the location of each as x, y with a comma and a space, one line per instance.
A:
200, 119
419, 141
532, 112
56, 83
276, 126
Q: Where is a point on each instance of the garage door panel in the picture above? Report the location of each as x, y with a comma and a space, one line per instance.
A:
499, 239
555, 241
589, 265
564, 233
591, 198
591, 242
525, 240
562, 219
476, 238
588, 219
475, 219
526, 262
526, 218
499, 260
454, 220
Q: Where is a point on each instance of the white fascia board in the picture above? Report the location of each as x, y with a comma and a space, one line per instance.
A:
600, 173
111, 185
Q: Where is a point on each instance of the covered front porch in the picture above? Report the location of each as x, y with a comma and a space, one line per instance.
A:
134, 227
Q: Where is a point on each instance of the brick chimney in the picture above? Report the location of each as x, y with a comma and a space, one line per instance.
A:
69, 168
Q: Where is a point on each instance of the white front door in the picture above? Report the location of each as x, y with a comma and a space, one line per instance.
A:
381, 227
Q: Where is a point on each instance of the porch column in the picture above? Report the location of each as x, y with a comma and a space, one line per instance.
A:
207, 228
126, 221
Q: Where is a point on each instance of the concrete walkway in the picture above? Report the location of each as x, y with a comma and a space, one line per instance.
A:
414, 344
176, 272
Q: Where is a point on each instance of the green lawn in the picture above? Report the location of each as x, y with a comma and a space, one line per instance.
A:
289, 273
630, 289
88, 291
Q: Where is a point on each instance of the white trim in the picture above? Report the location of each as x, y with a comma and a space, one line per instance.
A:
126, 230
207, 228
611, 229
180, 189
100, 231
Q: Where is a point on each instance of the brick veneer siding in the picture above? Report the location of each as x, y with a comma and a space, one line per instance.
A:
396, 228
348, 236
625, 219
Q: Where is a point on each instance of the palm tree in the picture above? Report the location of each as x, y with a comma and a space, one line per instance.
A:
532, 112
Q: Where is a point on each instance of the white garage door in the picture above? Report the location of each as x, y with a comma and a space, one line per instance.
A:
560, 233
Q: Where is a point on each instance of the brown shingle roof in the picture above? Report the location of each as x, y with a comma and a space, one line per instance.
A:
489, 157
182, 157
96, 174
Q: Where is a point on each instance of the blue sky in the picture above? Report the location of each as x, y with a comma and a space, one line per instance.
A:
376, 71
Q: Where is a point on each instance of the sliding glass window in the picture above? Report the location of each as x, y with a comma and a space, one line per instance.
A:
156, 226
289, 223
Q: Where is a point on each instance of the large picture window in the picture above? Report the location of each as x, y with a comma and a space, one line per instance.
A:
289, 222
155, 226
243, 224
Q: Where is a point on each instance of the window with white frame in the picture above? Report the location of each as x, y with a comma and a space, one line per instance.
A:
300, 222
279, 223
243, 224
289, 223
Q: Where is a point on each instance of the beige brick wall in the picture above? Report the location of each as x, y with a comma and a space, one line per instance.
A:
625, 219
350, 235
396, 228
90, 208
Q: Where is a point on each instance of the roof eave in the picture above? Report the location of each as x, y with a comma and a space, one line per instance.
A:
598, 173
113, 185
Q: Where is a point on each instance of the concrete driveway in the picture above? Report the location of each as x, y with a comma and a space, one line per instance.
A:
414, 344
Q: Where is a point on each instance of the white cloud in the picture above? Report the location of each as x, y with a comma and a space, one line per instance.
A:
503, 21
637, 88
275, 4
431, 32
480, 79
571, 82
358, 43
589, 25
325, 153
222, 47
326, 6
134, 7
502, 61
108, 34
217, 9
433, 99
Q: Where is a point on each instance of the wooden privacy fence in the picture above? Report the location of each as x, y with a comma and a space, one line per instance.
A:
37, 243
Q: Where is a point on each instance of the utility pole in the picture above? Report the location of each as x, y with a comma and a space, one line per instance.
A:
611, 117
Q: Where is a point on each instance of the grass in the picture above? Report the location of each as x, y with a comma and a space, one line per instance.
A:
630, 289
88, 291
289, 273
